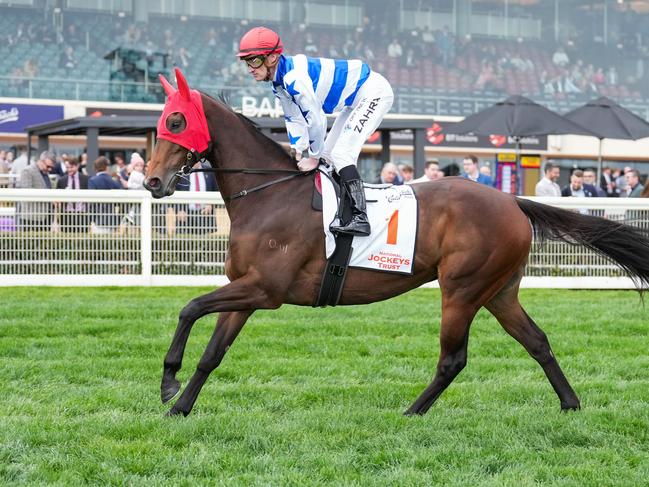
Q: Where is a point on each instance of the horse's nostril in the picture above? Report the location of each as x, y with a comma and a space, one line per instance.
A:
154, 183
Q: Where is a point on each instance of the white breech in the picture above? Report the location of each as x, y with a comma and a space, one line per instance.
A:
357, 122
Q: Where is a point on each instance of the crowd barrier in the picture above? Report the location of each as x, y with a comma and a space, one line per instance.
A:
119, 238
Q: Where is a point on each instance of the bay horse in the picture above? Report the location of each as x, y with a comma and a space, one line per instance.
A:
473, 239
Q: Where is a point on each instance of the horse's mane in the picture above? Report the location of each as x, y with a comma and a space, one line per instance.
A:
250, 126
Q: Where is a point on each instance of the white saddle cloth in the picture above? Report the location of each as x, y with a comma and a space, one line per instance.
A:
392, 213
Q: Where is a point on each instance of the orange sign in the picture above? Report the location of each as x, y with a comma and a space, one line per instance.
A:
530, 161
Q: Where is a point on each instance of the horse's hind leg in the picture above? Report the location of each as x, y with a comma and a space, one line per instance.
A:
511, 315
454, 339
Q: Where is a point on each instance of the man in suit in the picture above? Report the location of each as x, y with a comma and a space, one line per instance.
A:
577, 187
590, 177
36, 216
73, 179
73, 215
607, 183
196, 218
104, 215
634, 187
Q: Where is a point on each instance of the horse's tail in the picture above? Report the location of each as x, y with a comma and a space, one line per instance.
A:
625, 245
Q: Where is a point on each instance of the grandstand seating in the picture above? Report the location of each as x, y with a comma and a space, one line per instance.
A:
431, 83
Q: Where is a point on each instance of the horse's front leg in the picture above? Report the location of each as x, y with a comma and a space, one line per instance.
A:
227, 329
236, 301
242, 294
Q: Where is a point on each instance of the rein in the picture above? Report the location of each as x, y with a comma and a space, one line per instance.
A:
193, 157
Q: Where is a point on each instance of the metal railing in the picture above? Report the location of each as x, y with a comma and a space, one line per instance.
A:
83, 237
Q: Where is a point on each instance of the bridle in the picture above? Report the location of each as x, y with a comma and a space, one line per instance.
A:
194, 156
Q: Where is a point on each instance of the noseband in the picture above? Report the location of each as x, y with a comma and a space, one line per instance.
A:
191, 159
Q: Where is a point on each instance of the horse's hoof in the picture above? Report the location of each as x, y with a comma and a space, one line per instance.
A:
412, 412
169, 390
570, 407
175, 412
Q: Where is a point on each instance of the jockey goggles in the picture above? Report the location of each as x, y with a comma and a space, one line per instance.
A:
257, 61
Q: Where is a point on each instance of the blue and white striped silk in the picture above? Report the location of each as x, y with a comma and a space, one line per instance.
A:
308, 89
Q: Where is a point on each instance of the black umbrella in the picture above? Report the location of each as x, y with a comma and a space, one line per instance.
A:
517, 117
608, 120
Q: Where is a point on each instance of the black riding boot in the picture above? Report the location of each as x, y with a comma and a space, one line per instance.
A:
358, 225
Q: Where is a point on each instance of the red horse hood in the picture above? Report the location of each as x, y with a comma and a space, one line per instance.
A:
190, 103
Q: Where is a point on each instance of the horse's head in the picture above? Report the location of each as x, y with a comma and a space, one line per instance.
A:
183, 137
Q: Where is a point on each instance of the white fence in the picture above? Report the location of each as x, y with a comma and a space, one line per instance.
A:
117, 238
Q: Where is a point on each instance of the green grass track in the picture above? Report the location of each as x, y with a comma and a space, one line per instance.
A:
315, 397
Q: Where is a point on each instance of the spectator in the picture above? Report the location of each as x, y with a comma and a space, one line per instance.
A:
73, 216
211, 38
132, 35
548, 185
30, 69
487, 79
83, 163
569, 86
522, 64
486, 170
620, 181
388, 175
611, 76
135, 181
560, 58
431, 172
72, 36
102, 179
103, 217
196, 218
36, 216
136, 177
183, 58
428, 37
472, 171
4, 169
598, 77
589, 181
18, 165
634, 187
576, 187
73, 179
120, 169
407, 173
607, 183
310, 48
37, 176
445, 42
150, 52
410, 60
394, 49
67, 59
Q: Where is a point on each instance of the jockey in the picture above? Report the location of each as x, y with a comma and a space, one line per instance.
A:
309, 89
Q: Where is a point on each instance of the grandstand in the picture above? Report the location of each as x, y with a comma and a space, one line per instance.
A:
450, 59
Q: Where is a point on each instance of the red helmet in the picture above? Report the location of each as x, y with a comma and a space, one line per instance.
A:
260, 41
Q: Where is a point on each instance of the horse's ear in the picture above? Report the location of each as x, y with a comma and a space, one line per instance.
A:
169, 90
183, 87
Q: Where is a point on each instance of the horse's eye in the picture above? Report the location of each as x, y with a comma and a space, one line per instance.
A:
176, 123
